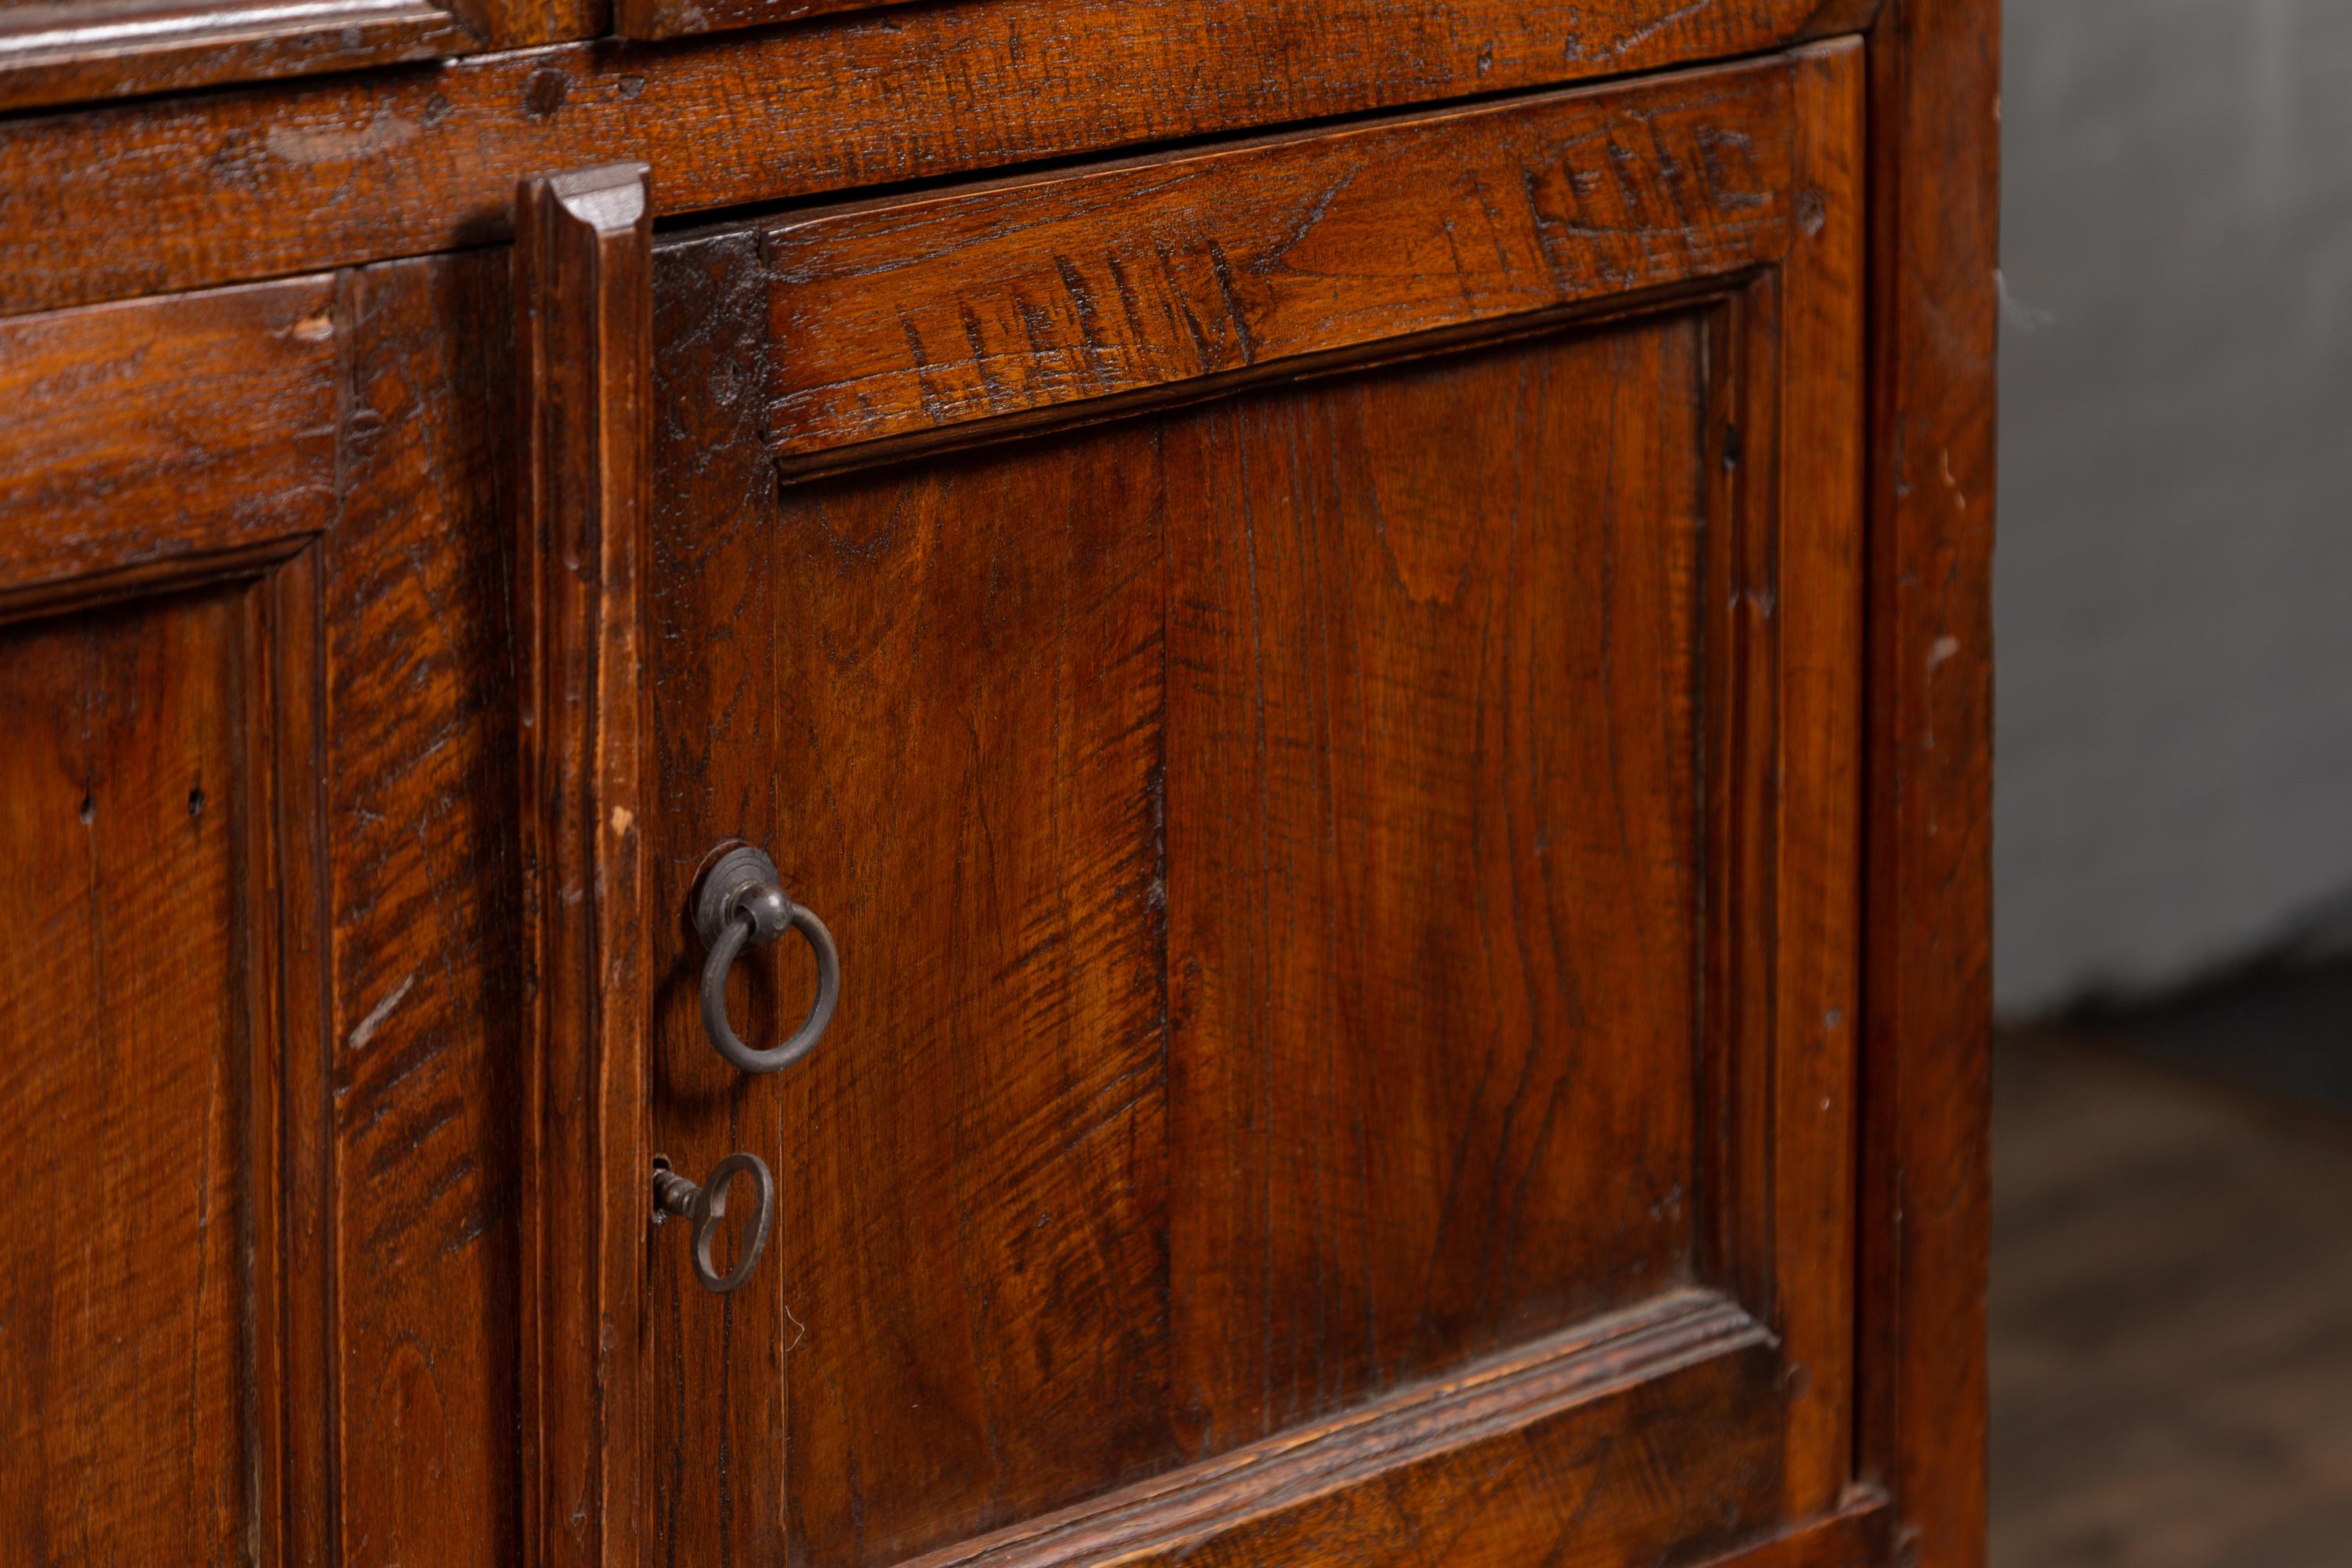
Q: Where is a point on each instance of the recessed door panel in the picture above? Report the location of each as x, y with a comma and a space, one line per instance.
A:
1267, 838
139, 1094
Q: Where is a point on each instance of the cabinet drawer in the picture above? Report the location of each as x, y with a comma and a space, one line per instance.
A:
1589, 37
1315, 683
358, 167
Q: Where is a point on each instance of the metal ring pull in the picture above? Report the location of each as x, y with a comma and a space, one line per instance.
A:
706, 1206
742, 904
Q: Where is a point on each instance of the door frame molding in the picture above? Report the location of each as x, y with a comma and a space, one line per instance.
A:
1934, 182
584, 361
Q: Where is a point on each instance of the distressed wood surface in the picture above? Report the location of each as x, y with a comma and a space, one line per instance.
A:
138, 437
1935, 243
1434, 862
1816, 883
1855, 1536
1570, 1418
719, 1393
233, 185
139, 1095
583, 347
679, 19
418, 922
515, 25
1078, 1189
908, 316
334, 462
74, 52
1287, 849
328, 455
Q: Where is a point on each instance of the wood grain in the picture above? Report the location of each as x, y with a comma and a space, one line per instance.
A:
1525, 1459
1258, 1014
372, 789
1064, 1011
421, 1015
141, 437
234, 186
1434, 862
1934, 246
719, 1393
906, 316
1816, 996
74, 52
584, 345
1853, 1537
969, 735
679, 19
514, 25
138, 1281
1338, 881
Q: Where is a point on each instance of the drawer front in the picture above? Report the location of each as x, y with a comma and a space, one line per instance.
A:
209, 188
1598, 34
1315, 684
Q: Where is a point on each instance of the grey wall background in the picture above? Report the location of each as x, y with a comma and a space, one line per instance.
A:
2173, 588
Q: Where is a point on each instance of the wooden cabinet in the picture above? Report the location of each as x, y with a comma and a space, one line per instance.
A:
1370, 658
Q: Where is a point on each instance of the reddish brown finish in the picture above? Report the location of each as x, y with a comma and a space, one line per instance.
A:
679, 19
1934, 97
718, 1391
1187, 792
165, 1101
514, 25
139, 1275
1817, 780
63, 52
234, 186
418, 923
1435, 869
368, 781
139, 437
1612, 28
1226, 712
1575, 1419
67, 53
1854, 1537
584, 343
905, 317
1217, 1162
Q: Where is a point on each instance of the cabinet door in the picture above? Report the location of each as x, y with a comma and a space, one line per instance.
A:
1314, 683
258, 1015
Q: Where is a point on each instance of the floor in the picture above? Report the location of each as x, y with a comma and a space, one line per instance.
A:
2286, 1032
2171, 1305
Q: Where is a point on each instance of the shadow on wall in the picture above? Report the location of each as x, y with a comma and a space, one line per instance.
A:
2174, 584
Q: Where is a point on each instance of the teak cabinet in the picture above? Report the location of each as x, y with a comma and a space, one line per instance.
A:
1356, 627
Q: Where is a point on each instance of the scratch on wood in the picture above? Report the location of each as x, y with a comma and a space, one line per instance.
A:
298, 144
367, 1027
